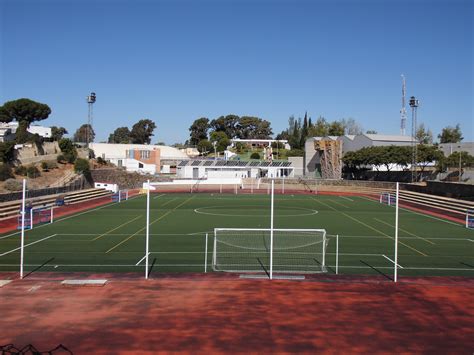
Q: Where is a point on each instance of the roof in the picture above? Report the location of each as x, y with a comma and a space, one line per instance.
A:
388, 138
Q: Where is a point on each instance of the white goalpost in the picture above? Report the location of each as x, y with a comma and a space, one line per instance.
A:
266, 250
269, 250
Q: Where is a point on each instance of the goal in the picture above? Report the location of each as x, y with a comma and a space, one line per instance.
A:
36, 216
249, 250
470, 219
120, 196
388, 198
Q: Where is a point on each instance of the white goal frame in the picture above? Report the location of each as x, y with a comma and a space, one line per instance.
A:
324, 243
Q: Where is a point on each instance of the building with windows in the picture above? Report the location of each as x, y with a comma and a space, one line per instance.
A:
142, 158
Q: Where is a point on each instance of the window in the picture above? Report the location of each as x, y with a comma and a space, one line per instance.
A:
144, 154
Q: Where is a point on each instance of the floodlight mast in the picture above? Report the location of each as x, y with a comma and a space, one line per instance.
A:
90, 101
414, 103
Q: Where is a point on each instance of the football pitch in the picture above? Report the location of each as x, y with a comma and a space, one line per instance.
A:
111, 238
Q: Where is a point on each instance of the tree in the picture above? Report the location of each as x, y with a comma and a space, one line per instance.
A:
427, 154
121, 135
423, 135
336, 128
142, 131
351, 126
451, 135
81, 166
198, 130
371, 131
57, 133
204, 146
320, 128
24, 111
7, 151
249, 127
84, 134
221, 140
68, 150
226, 124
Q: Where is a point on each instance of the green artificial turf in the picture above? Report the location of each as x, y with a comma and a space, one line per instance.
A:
112, 238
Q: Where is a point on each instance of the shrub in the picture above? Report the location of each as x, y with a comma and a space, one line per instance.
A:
5, 172
255, 155
52, 164
101, 161
32, 172
81, 166
44, 166
61, 159
13, 185
70, 157
295, 153
20, 170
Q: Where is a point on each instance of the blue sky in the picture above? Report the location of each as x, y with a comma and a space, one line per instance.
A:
176, 61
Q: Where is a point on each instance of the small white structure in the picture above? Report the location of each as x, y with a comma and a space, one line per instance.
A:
106, 186
202, 169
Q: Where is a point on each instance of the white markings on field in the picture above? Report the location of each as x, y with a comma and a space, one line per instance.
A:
159, 196
393, 262
471, 240
34, 288
346, 198
139, 261
26, 245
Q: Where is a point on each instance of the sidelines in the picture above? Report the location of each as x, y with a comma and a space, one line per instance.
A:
156, 220
368, 226
154, 198
37, 241
346, 198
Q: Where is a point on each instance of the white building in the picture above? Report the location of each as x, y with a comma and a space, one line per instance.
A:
202, 169
143, 158
7, 131
260, 143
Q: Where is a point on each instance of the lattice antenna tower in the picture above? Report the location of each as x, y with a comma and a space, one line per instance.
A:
403, 111
414, 103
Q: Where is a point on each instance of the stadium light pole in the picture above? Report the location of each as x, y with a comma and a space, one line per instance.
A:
23, 212
90, 101
414, 103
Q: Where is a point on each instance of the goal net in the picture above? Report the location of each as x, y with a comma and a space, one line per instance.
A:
249, 250
470, 219
388, 198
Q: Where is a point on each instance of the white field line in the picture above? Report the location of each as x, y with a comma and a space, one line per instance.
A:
346, 198
471, 240
398, 265
159, 196
421, 214
332, 236
139, 261
40, 240
200, 265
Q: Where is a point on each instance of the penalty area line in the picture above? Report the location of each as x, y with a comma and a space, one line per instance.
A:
386, 257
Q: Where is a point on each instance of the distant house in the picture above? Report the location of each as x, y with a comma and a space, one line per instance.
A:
142, 158
7, 131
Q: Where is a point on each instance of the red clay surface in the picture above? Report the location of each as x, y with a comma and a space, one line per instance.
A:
220, 313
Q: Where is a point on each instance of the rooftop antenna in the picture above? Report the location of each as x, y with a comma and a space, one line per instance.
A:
403, 111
